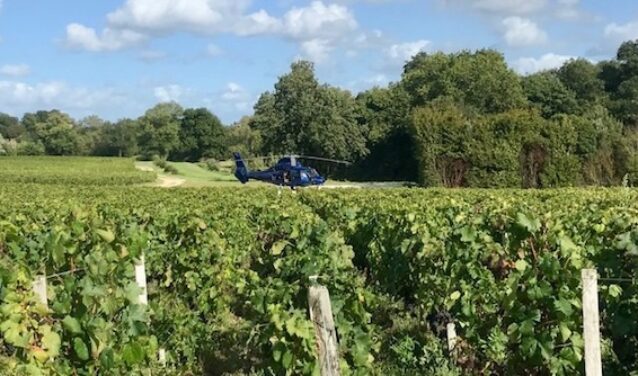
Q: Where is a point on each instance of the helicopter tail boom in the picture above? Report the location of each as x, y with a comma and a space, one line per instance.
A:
241, 170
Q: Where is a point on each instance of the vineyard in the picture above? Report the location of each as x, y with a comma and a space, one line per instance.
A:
72, 171
228, 274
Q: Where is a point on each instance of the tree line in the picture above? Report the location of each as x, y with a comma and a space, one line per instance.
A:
463, 119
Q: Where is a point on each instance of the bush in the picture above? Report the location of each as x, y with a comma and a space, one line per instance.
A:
30, 148
170, 169
159, 162
210, 165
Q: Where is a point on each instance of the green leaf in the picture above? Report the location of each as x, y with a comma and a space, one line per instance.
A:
72, 325
530, 224
106, 235
615, 291
286, 360
133, 353
107, 358
565, 332
278, 247
455, 295
80, 349
521, 265
564, 306
50, 340
467, 234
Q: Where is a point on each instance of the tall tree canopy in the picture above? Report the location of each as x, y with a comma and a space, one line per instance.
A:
480, 80
10, 127
201, 135
159, 129
304, 117
55, 130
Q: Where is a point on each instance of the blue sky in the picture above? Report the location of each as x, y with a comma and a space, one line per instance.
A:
116, 58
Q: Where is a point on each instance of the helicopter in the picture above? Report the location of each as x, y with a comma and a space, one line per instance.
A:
288, 171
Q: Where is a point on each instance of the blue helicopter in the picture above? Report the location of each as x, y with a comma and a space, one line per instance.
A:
288, 171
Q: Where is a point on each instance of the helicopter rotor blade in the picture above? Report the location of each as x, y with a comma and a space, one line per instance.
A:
324, 159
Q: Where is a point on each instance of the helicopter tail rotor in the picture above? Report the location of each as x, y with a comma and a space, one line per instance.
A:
241, 171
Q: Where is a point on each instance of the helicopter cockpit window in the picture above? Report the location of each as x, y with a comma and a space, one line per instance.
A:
313, 173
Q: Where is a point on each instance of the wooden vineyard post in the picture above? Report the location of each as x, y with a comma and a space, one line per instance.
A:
40, 289
591, 323
326, 335
451, 337
162, 357
140, 279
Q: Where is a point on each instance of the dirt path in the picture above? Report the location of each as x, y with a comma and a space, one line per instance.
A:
163, 181
170, 181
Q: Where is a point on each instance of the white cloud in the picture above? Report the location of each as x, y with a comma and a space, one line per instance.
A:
508, 7
22, 97
528, 65
562, 9
82, 37
316, 50
213, 50
378, 79
169, 15
319, 21
233, 92
152, 55
520, 32
169, 93
257, 23
15, 70
619, 33
318, 28
236, 97
402, 52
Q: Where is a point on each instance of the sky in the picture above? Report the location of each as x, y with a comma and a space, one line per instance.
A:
117, 58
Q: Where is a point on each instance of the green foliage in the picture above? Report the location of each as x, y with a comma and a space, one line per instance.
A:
10, 127
118, 140
55, 130
244, 139
517, 148
548, 93
384, 114
581, 77
159, 129
201, 135
480, 80
228, 276
72, 171
304, 117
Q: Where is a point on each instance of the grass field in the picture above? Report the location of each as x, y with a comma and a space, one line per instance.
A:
193, 175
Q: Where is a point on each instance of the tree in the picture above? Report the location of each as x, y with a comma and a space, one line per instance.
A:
480, 80
119, 139
10, 127
267, 122
621, 80
201, 135
296, 102
159, 129
440, 132
384, 115
581, 77
304, 117
547, 92
55, 130
242, 138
